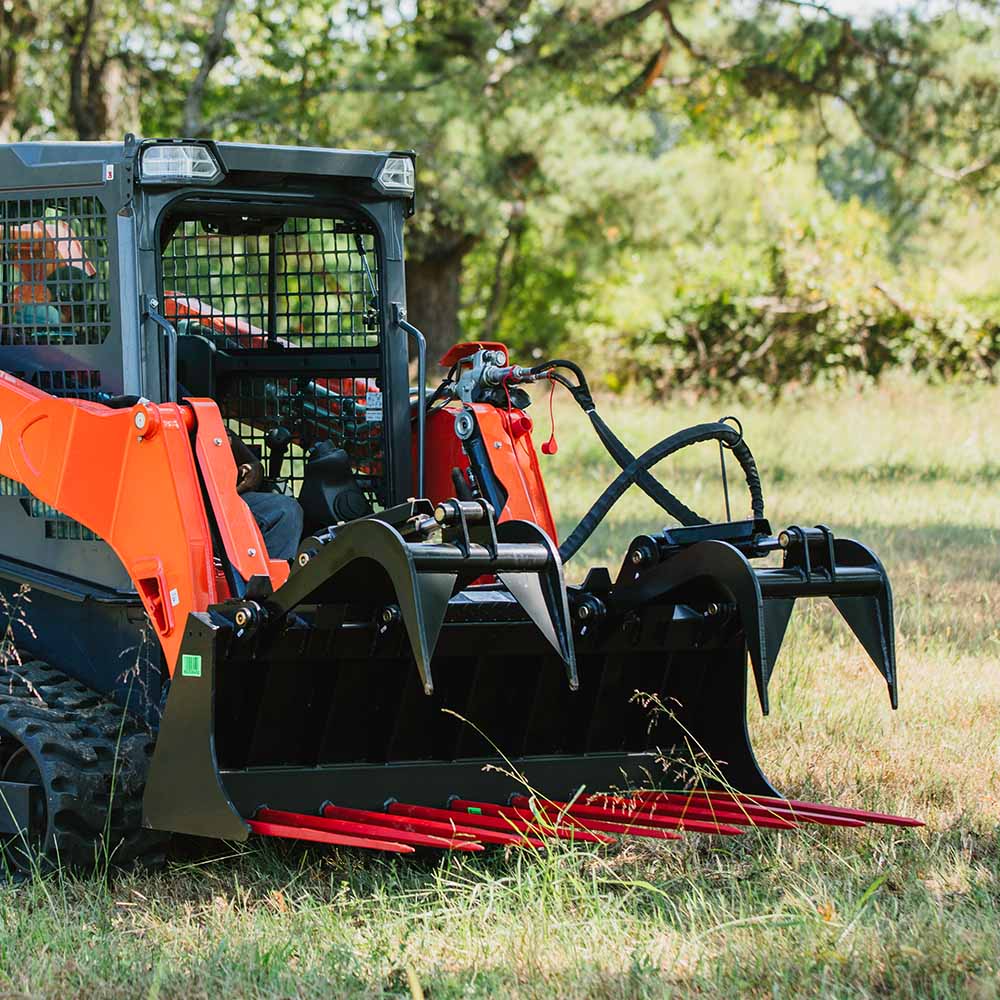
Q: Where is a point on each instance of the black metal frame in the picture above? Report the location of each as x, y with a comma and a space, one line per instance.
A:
263, 385
68, 345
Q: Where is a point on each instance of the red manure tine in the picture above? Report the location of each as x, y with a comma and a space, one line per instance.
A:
524, 823
626, 828
493, 832
860, 814
734, 815
809, 809
354, 828
447, 830
585, 823
645, 813
725, 805
323, 837
634, 816
811, 812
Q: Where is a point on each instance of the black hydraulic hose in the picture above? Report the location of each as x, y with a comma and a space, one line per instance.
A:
668, 446
656, 491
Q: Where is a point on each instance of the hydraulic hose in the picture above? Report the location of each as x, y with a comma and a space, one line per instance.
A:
725, 433
655, 490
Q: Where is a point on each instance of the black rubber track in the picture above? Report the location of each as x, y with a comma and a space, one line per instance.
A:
92, 758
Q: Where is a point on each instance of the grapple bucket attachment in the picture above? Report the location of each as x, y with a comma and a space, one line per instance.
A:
386, 697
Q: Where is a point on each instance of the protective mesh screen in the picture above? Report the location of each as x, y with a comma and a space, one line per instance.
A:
292, 283
54, 271
313, 409
298, 282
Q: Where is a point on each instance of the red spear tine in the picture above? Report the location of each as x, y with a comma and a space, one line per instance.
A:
494, 832
322, 837
860, 814
814, 808
608, 824
646, 814
605, 825
490, 810
378, 831
637, 817
726, 806
805, 810
448, 830
733, 815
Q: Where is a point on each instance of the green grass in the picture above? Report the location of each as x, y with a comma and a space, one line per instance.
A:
912, 470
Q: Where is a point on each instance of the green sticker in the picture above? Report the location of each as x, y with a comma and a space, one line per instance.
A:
475, 810
190, 665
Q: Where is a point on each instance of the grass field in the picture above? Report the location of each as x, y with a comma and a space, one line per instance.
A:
914, 471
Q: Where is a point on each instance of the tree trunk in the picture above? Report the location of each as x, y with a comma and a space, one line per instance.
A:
433, 296
17, 20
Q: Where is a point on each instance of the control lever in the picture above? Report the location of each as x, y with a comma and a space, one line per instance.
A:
277, 440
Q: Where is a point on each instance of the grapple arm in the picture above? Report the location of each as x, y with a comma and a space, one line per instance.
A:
712, 564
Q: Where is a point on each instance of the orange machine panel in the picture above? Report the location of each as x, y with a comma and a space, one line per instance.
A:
507, 437
130, 476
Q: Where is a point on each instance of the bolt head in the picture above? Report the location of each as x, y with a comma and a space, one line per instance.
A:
251, 552
497, 445
638, 557
304, 559
584, 612
140, 419
217, 442
242, 617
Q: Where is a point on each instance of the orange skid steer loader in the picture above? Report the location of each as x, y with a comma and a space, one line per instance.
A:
415, 672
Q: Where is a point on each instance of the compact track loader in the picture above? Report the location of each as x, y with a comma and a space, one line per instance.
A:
419, 675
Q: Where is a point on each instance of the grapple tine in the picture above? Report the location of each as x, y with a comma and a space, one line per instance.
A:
731, 572
734, 815
596, 828
421, 597
635, 816
564, 812
813, 812
489, 832
864, 815
490, 814
852, 576
449, 831
286, 832
542, 595
365, 829
726, 803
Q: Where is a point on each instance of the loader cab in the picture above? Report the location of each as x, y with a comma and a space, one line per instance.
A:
276, 272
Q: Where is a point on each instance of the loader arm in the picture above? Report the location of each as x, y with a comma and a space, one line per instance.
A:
132, 477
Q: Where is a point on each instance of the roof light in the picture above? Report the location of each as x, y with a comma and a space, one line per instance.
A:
172, 163
396, 175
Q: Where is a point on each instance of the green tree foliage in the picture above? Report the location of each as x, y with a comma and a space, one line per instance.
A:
693, 191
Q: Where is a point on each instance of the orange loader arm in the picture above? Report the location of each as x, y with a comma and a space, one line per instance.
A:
132, 477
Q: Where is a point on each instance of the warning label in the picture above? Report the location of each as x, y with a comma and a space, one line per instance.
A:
373, 406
